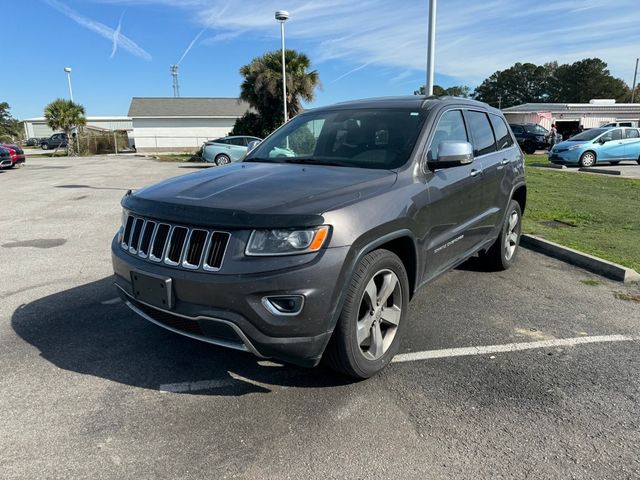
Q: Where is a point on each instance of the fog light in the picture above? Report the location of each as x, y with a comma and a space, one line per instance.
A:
284, 304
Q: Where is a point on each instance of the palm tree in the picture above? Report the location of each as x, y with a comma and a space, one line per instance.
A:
262, 85
65, 115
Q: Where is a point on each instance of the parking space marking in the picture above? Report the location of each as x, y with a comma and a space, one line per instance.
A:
194, 386
510, 347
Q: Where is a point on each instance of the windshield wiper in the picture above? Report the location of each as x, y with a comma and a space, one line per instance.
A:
316, 161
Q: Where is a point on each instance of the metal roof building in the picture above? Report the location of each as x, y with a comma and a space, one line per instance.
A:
38, 128
182, 123
569, 116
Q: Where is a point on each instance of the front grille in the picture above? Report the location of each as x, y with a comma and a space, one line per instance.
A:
174, 245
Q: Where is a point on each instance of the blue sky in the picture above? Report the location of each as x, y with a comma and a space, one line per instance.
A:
361, 49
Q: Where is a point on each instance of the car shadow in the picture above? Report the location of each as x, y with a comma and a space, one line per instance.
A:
88, 330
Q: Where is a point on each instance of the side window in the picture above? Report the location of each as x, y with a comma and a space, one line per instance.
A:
483, 140
222, 140
450, 127
615, 134
516, 128
503, 137
632, 133
238, 142
625, 124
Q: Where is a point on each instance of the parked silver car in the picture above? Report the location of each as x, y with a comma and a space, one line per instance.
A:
222, 151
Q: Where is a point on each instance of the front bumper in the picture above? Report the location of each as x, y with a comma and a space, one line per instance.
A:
227, 309
564, 158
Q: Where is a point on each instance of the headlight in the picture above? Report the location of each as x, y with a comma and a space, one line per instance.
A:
286, 242
573, 147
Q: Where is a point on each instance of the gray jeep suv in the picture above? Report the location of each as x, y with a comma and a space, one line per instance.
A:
312, 247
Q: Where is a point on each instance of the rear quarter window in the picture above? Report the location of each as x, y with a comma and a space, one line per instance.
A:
503, 137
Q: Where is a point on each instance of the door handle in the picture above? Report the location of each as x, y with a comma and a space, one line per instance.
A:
505, 161
474, 172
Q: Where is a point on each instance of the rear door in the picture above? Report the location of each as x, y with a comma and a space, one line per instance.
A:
455, 196
237, 148
632, 144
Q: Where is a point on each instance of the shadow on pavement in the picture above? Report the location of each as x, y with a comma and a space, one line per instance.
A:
76, 331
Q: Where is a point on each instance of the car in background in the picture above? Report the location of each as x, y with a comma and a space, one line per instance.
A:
15, 153
598, 145
222, 151
5, 158
530, 136
54, 141
625, 123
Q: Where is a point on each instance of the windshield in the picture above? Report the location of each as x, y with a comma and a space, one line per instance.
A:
588, 134
363, 138
535, 129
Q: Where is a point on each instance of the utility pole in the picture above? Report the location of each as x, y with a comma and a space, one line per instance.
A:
633, 89
67, 70
499, 102
431, 46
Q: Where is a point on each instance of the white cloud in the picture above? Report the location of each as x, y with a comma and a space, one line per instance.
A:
473, 39
101, 29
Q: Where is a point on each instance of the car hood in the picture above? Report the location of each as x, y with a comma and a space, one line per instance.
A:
258, 195
570, 143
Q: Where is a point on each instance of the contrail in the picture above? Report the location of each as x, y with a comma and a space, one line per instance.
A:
101, 29
351, 71
191, 45
116, 35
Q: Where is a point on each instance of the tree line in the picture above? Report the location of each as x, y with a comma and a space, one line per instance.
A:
577, 82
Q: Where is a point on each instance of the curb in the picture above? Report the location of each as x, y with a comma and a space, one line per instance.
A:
599, 170
555, 166
593, 264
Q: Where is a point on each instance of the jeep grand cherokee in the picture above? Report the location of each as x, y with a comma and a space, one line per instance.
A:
316, 254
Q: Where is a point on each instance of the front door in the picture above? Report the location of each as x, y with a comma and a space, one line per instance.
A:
613, 148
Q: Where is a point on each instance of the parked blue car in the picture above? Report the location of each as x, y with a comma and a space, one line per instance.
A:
226, 150
598, 145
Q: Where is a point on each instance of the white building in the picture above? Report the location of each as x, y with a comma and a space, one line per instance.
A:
180, 124
569, 116
38, 128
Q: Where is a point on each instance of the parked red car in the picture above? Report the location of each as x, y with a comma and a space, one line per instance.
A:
15, 152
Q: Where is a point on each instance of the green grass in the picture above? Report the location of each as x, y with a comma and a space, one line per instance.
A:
592, 282
604, 212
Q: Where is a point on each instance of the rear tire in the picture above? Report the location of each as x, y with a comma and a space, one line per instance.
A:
368, 332
504, 250
588, 159
222, 159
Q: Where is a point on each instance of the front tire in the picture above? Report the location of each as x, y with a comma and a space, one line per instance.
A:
502, 253
588, 159
222, 159
370, 326
45, 146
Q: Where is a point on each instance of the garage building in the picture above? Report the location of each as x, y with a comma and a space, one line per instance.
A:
569, 116
179, 124
38, 128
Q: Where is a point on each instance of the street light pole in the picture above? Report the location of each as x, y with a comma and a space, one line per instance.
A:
635, 74
282, 16
431, 46
68, 72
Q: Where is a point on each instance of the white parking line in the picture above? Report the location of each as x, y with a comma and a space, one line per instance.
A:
510, 347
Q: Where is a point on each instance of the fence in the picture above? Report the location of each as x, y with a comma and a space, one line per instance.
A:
171, 143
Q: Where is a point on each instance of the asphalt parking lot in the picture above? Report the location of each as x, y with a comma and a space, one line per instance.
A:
89, 390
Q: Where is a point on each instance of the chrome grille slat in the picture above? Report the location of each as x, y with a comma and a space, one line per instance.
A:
177, 246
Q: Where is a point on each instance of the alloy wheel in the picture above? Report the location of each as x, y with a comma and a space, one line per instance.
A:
379, 314
511, 238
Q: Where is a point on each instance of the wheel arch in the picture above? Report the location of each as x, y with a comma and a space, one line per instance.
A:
519, 194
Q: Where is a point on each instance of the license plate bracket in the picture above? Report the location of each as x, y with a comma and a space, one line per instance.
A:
155, 290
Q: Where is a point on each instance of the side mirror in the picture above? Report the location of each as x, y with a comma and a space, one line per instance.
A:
452, 154
252, 144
